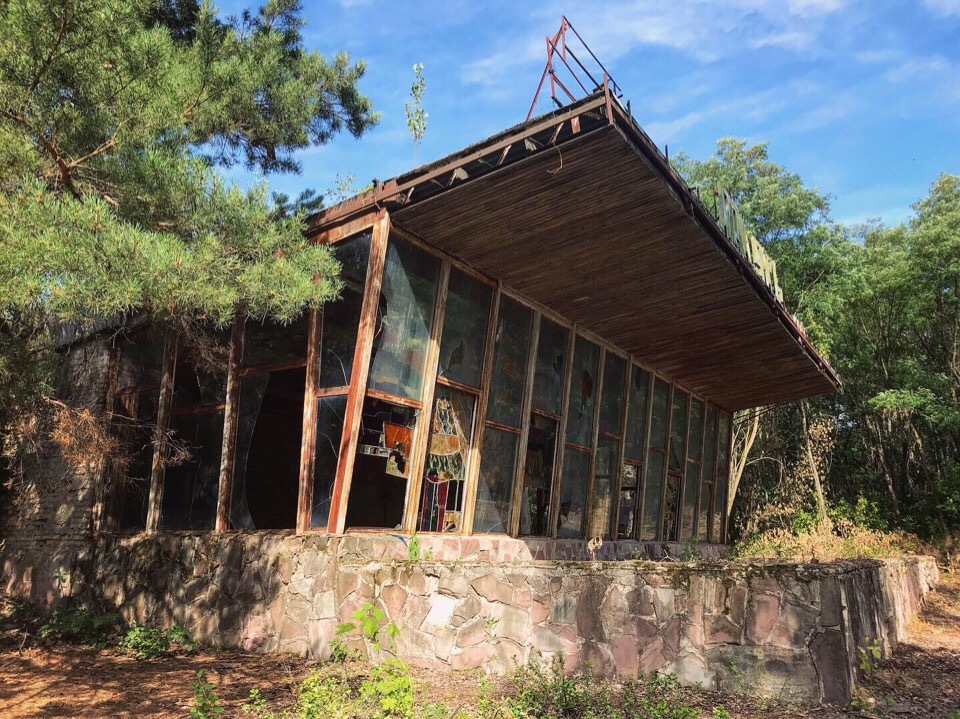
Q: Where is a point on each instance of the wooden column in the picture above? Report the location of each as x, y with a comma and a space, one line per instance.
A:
621, 454
642, 480
231, 411
589, 500
160, 432
102, 476
309, 433
358, 377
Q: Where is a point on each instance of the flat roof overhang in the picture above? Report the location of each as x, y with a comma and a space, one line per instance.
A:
578, 211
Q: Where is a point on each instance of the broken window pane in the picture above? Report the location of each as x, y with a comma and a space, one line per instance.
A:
690, 481
382, 467
340, 319
445, 470
267, 342
629, 487
464, 334
611, 399
583, 393
637, 414
538, 476
404, 320
266, 474
511, 351
330, 414
200, 377
551, 362
671, 511
652, 496
134, 422
495, 487
573, 493
658, 418
606, 462
678, 430
190, 487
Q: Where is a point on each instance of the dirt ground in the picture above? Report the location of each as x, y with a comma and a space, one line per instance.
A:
921, 680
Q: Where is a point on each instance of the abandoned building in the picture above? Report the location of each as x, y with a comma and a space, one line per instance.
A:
535, 358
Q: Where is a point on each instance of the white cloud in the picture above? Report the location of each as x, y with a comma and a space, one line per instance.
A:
918, 68
943, 7
788, 39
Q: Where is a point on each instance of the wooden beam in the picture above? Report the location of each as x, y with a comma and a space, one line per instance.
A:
160, 433
231, 416
102, 473
642, 479
335, 233
358, 377
309, 429
621, 454
587, 529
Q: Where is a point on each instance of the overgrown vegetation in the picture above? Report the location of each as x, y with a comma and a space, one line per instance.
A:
150, 642
539, 692
883, 303
115, 116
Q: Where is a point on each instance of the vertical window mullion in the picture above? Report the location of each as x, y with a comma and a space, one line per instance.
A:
309, 430
642, 480
590, 499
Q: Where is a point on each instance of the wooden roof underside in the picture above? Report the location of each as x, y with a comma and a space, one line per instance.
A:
591, 227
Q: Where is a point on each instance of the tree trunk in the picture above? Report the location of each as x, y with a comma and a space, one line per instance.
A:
740, 463
818, 487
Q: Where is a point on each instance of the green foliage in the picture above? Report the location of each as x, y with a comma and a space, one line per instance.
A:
389, 691
415, 551
114, 117
547, 693
206, 705
870, 654
149, 642
81, 626
371, 621
884, 305
413, 109
721, 713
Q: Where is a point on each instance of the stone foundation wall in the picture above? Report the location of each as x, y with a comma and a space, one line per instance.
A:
786, 630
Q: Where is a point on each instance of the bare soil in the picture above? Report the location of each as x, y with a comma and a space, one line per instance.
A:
40, 680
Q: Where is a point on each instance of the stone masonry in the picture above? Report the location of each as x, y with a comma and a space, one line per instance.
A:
780, 629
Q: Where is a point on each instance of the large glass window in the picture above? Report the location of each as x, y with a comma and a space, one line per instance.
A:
404, 320
606, 462
501, 436
573, 493
723, 476
635, 441
464, 334
583, 393
495, 486
445, 470
538, 476
192, 476
675, 466
653, 485
339, 320
707, 475
691, 477
382, 468
539, 467
330, 418
135, 405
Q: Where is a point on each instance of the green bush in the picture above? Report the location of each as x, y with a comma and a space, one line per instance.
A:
81, 626
149, 642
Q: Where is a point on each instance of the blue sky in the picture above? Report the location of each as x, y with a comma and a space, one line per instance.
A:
862, 99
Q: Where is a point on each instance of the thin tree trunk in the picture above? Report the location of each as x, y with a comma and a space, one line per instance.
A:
818, 487
740, 464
